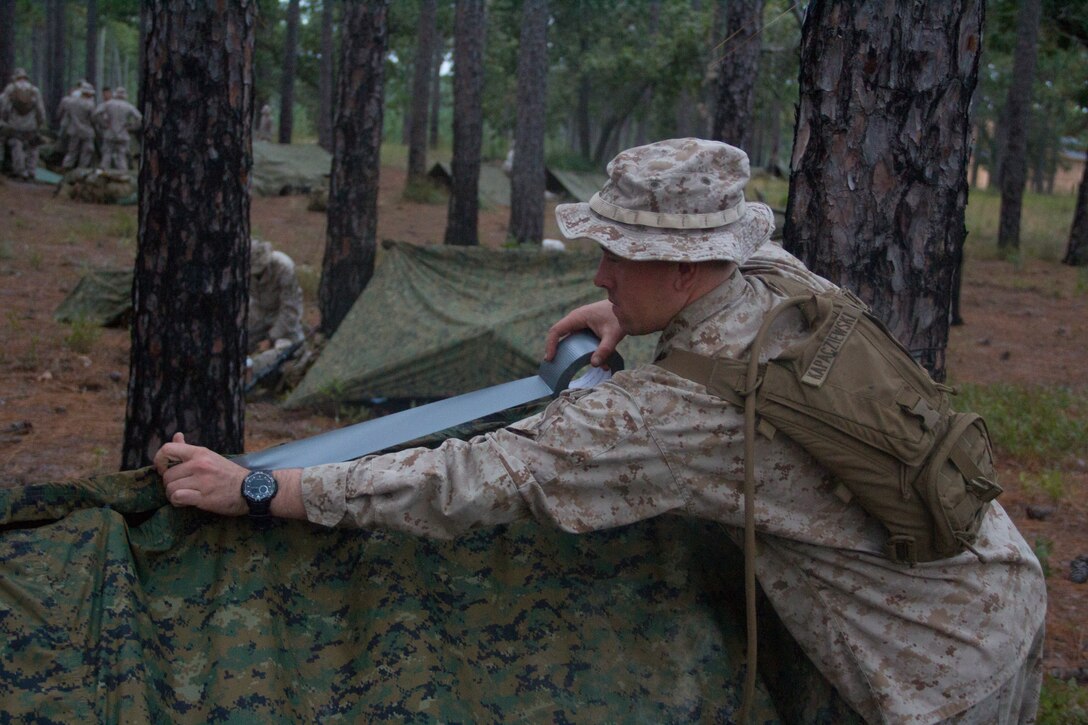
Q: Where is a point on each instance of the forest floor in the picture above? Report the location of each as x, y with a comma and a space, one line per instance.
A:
62, 388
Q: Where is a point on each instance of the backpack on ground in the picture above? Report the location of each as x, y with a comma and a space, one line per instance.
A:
852, 396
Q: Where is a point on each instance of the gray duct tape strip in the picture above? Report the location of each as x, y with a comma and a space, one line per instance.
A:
353, 441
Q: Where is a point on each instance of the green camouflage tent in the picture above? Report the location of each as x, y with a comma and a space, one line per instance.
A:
494, 185
117, 608
440, 321
281, 169
102, 297
577, 185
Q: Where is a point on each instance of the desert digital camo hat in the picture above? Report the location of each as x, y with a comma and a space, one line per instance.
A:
260, 254
680, 200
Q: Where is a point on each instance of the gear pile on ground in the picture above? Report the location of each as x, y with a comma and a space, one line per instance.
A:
99, 186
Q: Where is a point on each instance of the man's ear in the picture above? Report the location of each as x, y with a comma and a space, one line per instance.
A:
685, 275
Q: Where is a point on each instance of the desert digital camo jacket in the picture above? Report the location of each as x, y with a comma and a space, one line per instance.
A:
901, 644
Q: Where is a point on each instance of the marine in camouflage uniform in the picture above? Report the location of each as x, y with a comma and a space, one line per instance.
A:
275, 309
114, 119
63, 137
22, 112
80, 129
956, 640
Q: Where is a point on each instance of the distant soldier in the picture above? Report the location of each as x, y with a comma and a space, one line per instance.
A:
275, 310
64, 134
114, 119
23, 113
81, 129
264, 126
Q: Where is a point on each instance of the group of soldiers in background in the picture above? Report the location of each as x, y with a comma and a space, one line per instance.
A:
88, 129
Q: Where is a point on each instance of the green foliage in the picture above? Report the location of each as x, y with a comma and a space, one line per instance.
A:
1059, 94
1063, 702
771, 190
82, 336
1044, 547
1050, 482
1044, 224
569, 160
309, 279
1044, 424
123, 226
425, 191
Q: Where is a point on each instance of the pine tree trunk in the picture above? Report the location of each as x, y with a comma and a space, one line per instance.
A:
90, 70
462, 219
287, 83
187, 360
53, 87
1077, 252
527, 177
738, 68
421, 79
352, 227
325, 82
1017, 112
7, 40
879, 184
436, 90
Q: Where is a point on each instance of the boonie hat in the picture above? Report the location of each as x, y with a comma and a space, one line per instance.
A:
680, 200
260, 254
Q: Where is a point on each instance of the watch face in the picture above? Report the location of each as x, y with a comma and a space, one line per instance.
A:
259, 486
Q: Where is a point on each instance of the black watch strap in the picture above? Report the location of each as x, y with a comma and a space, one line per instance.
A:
258, 490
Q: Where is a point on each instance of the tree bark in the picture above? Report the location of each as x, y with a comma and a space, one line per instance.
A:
527, 176
737, 70
352, 227
421, 79
436, 90
1077, 252
91, 55
462, 218
7, 40
879, 183
326, 80
287, 81
53, 88
582, 120
190, 292
1017, 112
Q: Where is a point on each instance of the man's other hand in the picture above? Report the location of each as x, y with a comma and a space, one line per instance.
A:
196, 476
596, 317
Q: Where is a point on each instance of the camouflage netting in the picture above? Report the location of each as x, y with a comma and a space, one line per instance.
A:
115, 607
440, 321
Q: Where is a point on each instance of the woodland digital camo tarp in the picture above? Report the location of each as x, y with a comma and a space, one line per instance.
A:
440, 321
101, 297
116, 608
283, 169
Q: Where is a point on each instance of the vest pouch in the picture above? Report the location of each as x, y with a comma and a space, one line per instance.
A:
958, 485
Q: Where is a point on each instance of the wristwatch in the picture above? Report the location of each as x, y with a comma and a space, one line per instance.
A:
258, 489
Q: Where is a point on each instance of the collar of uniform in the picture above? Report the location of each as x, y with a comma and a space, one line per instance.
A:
679, 331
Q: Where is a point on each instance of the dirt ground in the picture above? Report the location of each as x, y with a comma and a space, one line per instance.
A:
62, 410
